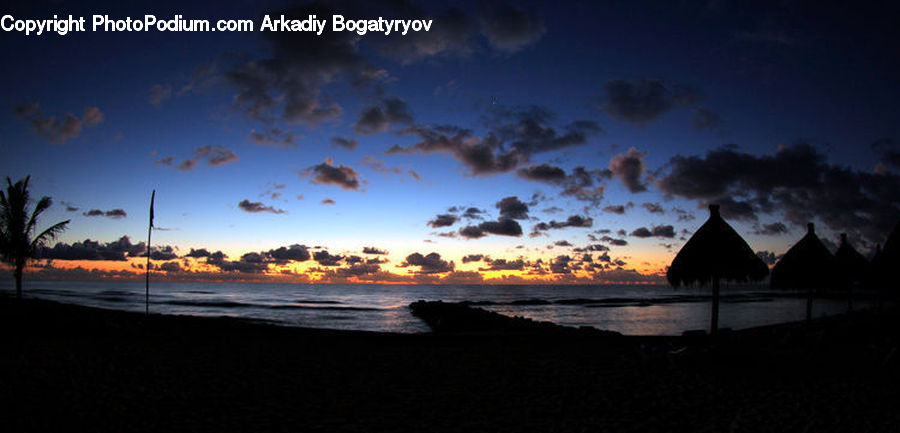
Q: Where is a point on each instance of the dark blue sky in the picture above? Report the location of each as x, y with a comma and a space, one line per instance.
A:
628, 116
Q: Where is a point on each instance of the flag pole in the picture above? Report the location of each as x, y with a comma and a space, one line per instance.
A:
149, 233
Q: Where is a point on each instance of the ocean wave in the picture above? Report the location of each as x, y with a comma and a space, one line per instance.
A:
219, 304
307, 307
115, 293
620, 301
113, 299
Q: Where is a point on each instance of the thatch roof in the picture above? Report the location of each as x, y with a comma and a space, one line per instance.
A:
891, 250
807, 265
886, 262
852, 265
715, 251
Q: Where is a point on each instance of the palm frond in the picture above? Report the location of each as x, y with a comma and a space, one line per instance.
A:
4, 212
3, 203
15, 208
42, 205
48, 235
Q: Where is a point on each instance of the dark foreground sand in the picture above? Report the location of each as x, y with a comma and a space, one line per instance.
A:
69, 368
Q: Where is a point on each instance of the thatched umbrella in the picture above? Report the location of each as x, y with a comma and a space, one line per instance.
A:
807, 265
852, 266
715, 252
885, 264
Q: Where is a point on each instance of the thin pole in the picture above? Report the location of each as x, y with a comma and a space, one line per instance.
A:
149, 233
809, 305
714, 322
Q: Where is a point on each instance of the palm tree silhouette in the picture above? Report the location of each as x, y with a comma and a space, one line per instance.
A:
16, 228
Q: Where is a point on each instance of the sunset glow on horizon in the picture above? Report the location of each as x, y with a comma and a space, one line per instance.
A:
519, 143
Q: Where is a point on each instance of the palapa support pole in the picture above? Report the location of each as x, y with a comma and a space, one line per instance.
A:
714, 323
809, 302
850, 298
149, 233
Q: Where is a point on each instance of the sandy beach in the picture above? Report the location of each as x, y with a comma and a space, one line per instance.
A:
66, 367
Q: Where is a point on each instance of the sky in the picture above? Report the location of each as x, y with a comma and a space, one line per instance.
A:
551, 142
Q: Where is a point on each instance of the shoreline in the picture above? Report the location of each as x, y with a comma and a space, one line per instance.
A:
67, 366
598, 308
136, 317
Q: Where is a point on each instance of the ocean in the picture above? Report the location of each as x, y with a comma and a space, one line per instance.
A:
629, 309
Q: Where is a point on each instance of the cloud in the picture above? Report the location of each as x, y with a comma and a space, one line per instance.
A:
430, 264
504, 265
450, 34
629, 167
358, 270
92, 117
615, 208
166, 252
705, 119
327, 201
92, 250
509, 28
637, 101
213, 155
543, 173
56, 130
503, 227
345, 143
888, 151
379, 166
767, 257
170, 267
443, 220
614, 241
324, 258
572, 221
653, 208
257, 207
259, 262
560, 265
582, 184
472, 213
473, 258
273, 137
683, 215
187, 165
327, 174
642, 100
379, 117
287, 85
515, 134
250, 263
512, 208
662, 231
119, 250
198, 253
292, 253
112, 213
592, 247
373, 250
796, 182
159, 93
775, 228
